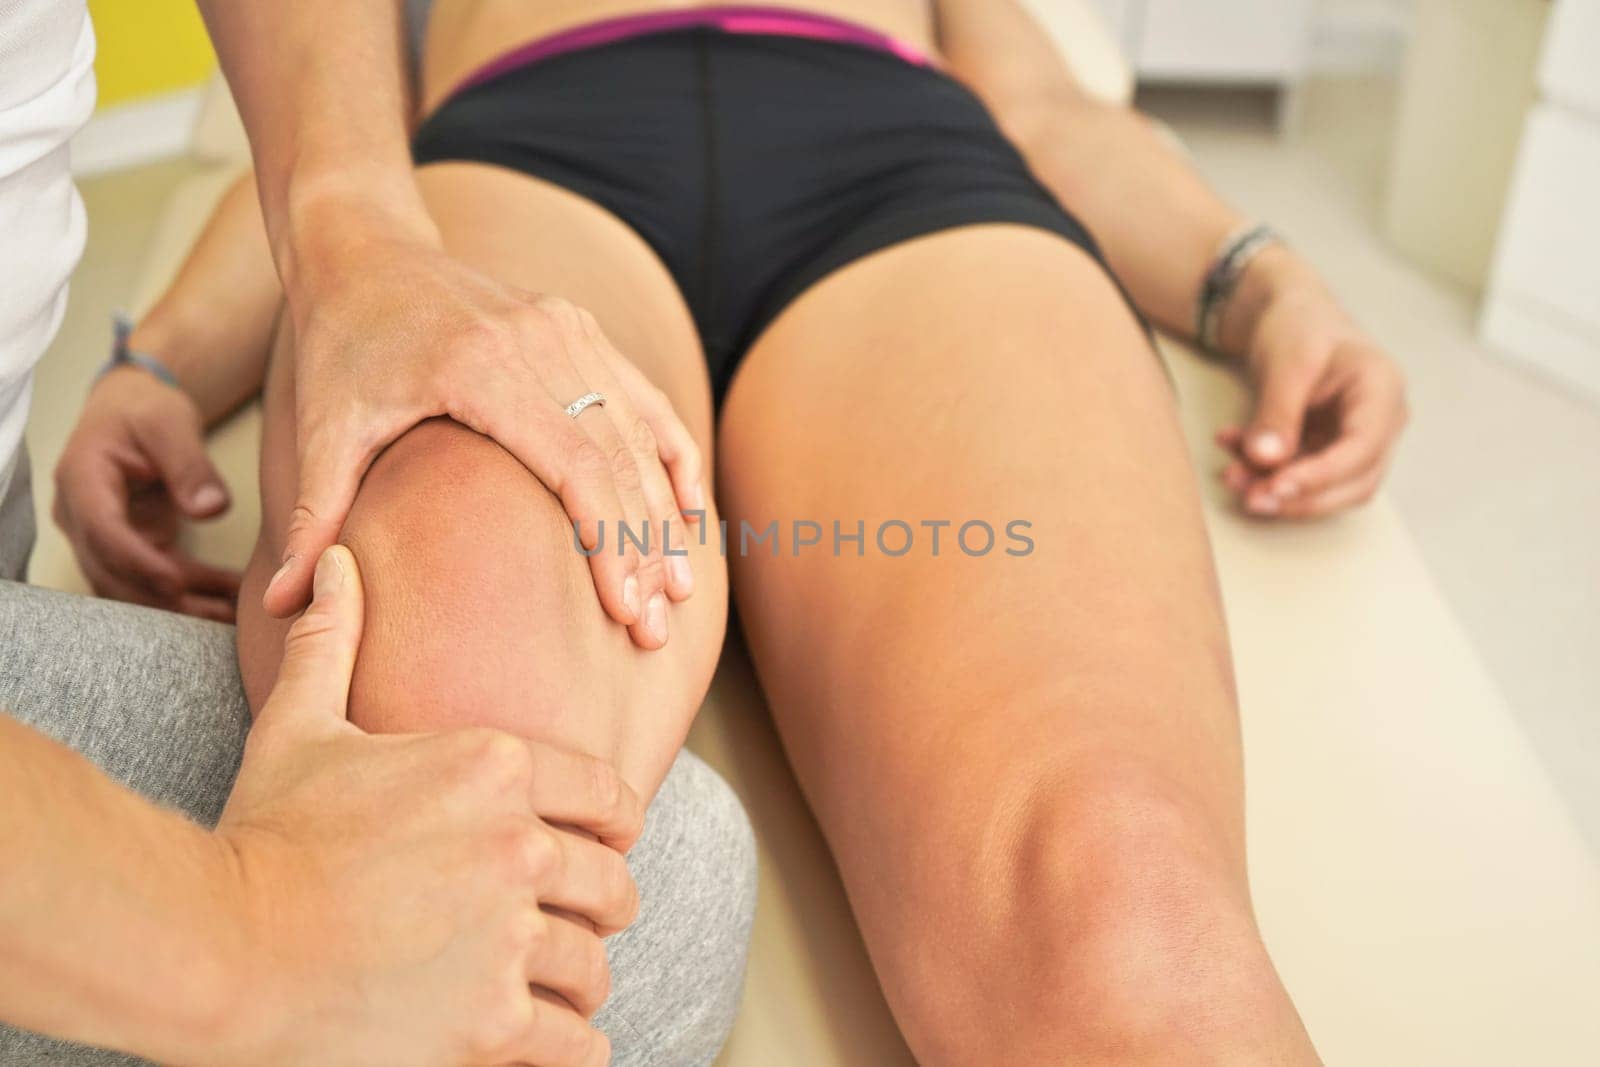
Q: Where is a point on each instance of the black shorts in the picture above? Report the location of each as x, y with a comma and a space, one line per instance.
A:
753, 165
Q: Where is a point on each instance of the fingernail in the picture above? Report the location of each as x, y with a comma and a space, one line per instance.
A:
697, 497
1267, 504
208, 497
1269, 446
682, 573
655, 618
1285, 490
329, 576
630, 595
288, 562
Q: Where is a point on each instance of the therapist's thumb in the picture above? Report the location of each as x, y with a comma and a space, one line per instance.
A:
319, 654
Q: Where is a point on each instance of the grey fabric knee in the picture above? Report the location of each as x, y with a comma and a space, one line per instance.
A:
155, 700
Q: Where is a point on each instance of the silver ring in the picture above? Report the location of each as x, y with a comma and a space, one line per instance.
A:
587, 400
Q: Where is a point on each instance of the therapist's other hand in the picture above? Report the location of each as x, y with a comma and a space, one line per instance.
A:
134, 469
391, 331
405, 899
1330, 405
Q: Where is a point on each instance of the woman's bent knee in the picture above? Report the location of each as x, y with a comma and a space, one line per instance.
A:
481, 611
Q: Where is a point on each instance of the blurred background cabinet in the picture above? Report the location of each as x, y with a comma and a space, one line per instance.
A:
1542, 306
1216, 42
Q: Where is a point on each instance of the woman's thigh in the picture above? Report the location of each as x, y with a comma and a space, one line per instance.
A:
480, 609
951, 714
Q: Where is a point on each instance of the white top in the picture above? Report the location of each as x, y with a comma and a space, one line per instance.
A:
46, 94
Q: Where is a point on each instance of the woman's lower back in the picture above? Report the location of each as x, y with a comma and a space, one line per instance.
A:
463, 35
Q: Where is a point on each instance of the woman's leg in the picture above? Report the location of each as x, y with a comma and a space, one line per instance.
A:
1028, 767
480, 609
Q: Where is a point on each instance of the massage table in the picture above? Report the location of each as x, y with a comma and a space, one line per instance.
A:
1426, 896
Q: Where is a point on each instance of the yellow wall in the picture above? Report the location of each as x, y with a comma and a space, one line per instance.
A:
148, 47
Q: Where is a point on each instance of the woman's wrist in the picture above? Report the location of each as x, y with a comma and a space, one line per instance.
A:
1275, 274
181, 347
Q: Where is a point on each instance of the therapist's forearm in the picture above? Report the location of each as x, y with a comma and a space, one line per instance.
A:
115, 928
323, 93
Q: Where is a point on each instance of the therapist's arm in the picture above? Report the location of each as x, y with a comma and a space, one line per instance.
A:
115, 924
391, 330
363, 899
1330, 404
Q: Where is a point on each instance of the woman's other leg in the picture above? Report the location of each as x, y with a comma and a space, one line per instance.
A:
1028, 768
480, 608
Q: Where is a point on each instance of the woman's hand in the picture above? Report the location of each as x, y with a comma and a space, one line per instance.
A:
1330, 405
391, 330
410, 899
134, 469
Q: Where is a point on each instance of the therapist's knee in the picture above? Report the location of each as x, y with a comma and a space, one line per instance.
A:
695, 866
480, 611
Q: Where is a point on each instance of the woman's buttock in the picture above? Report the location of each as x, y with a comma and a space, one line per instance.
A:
463, 35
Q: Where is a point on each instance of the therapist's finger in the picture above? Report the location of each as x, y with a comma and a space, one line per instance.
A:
591, 880
331, 467
575, 789
557, 1036
675, 445
569, 959
524, 419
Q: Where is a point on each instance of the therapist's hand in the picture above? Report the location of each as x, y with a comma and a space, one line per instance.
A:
401, 894
134, 469
390, 330
1330, 405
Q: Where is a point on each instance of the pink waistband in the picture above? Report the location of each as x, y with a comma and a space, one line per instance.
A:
737, 19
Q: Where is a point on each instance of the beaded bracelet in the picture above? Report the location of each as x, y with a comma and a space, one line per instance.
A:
1233, 259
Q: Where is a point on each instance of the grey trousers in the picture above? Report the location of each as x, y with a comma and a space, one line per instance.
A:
16, 514
155, 700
